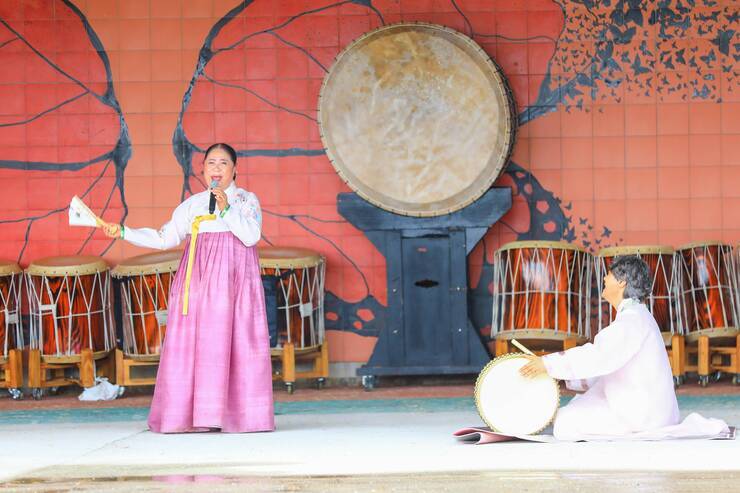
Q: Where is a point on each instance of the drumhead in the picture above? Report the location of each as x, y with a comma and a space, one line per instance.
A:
149, 263
511, 404
80, 265
8, 267
417, 119
636, 249
288, 257
556, 245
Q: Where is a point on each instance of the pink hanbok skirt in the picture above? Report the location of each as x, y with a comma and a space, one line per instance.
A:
215, 369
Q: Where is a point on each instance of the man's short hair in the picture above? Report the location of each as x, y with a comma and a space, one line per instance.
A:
636, 273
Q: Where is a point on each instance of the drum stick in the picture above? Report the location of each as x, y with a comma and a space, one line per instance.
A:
521, 347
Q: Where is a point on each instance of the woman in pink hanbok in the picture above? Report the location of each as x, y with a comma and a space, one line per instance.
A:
215, 371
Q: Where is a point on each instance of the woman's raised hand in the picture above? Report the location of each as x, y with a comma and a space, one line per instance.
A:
221, 199
112, 230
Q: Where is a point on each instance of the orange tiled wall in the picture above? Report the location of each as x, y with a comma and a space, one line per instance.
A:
630, 124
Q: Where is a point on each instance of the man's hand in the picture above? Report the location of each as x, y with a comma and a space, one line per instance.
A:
534, 368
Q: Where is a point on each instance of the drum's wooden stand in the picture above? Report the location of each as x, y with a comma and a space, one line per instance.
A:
714, 352
675, 346
288, 355
538, 345
125, 363
51, 371
11, 372
427, 330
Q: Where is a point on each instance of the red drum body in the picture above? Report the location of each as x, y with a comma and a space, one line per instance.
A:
709, 290
70, 305
541, 290
11, 335
145, 290
663, 298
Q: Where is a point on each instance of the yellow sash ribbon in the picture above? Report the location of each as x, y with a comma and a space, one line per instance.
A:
191, 257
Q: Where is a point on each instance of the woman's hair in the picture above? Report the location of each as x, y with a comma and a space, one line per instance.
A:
226, 147
636, 273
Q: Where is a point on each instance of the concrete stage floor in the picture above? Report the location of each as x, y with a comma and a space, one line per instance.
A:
390, 440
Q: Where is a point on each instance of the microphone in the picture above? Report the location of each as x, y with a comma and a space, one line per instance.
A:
212, 201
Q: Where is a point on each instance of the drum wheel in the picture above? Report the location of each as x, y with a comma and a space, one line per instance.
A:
736, 379
703, 380
15, 394
320, 382
368, 382
678, 380
289, 387
37, 393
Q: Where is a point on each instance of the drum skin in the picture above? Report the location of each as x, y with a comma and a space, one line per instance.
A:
417, 119
512, 404
542, 285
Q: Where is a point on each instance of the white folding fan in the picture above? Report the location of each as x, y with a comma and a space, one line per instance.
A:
81, 215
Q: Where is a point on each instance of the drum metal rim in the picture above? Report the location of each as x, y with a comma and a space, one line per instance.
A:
8, 267
698, 244
562, 245
483, 185
635, 249
482, 375
72, 265
292, 258
128, 267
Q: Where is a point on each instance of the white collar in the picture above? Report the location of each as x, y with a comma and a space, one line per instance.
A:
626, 303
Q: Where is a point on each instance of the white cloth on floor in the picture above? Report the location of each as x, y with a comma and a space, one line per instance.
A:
693, 427
629, 384
101, 391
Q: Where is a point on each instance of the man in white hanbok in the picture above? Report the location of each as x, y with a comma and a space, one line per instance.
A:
625, 372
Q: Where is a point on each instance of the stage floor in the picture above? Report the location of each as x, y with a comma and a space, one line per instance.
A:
374, 444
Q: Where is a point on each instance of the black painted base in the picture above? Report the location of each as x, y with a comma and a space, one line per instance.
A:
427, 330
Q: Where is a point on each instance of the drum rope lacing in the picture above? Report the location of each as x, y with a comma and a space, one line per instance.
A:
12, 316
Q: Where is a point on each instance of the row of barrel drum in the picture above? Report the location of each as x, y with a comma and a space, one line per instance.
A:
550, 291
63, 307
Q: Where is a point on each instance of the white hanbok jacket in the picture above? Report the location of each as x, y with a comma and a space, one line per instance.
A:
626, 376
243, 218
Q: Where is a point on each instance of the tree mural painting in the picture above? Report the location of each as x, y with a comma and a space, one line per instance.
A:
256, 84
61, 127
231, 55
